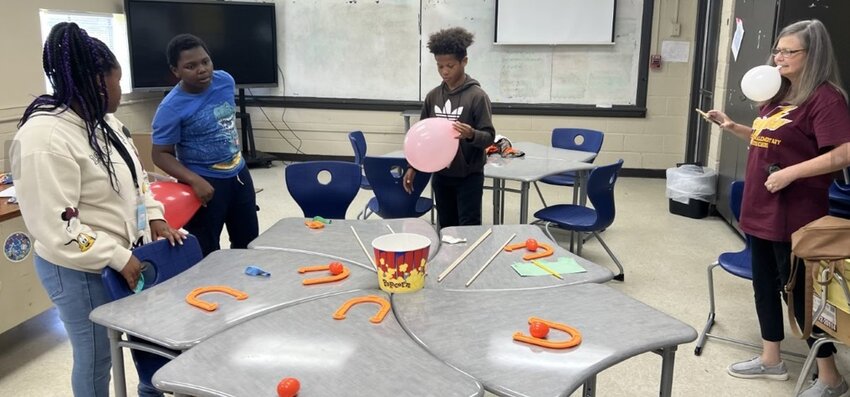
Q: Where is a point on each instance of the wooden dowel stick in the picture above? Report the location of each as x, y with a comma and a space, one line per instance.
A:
491, 259
464, 255
371, 258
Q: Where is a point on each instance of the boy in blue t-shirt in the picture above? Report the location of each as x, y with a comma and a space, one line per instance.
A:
195, 141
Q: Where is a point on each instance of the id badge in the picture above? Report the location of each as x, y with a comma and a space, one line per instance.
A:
141, 215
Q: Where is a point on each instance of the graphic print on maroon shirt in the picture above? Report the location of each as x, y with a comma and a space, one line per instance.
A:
784, 135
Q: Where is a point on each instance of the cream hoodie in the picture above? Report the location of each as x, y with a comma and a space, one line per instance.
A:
77, 219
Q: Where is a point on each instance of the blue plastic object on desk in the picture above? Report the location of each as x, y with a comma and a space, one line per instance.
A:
256, 271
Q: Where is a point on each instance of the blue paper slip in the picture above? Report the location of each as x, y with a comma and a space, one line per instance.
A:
563, 265
256, 271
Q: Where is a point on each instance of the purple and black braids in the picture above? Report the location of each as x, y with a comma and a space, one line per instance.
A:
76, 65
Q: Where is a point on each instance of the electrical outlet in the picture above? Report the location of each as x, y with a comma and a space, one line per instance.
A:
676, 30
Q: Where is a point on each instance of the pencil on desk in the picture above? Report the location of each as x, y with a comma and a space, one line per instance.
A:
546, 268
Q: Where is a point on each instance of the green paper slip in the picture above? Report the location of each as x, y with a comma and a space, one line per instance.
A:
563, 265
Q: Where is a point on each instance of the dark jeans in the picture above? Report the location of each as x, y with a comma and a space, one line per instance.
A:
771, 269
234, 204
458, 200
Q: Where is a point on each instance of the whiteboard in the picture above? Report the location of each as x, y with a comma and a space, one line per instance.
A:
588, 75
376, 50
554, 21
349, 49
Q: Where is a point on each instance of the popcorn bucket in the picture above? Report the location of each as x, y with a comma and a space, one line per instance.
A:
401, 261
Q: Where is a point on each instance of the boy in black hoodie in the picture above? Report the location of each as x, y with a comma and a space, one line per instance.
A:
458, 189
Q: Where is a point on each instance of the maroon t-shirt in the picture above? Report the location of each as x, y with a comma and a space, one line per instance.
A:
785, 135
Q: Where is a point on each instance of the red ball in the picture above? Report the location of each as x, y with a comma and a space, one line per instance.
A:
531, 244
335, 268
538, 329
288, 387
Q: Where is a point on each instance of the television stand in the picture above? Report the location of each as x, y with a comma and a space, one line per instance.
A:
253, 157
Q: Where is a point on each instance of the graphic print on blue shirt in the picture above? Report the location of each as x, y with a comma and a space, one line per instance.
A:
208, 138
202, 127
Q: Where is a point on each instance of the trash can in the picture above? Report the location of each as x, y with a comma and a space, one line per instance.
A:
691, 190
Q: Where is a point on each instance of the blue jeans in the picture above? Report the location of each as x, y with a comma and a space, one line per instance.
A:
75, 295
234, 204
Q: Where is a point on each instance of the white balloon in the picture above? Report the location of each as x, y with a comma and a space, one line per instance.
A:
761, 83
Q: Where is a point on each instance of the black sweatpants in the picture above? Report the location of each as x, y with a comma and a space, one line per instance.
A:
234, 204
771, 269
458, 200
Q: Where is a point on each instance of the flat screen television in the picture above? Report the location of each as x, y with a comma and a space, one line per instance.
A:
240, 36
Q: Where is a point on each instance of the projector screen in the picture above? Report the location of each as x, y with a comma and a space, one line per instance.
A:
553, 22
241, 38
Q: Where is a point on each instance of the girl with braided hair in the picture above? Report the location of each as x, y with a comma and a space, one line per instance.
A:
83, 193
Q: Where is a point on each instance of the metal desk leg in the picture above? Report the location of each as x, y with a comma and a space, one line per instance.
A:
582, 182
589, 387
495, 202
502, 201
668, 357
433, 204
523, 203
119, 383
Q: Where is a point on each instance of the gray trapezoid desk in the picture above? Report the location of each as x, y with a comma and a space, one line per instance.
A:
499, 275
350, 357
336, 240
160, 315
613, 326
539, 161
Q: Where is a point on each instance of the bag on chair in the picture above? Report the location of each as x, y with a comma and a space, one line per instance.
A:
821, 244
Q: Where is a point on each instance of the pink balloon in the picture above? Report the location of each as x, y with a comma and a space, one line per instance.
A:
179, 201
431, 144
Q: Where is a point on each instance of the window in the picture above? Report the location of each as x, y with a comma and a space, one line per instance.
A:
108, 28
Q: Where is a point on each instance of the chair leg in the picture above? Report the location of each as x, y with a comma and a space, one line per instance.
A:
703, 336
706, 332
540, 194
619, 277
810, 359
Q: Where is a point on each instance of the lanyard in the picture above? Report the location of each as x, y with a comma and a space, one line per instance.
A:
125, 154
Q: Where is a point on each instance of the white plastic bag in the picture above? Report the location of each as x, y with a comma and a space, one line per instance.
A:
691, 181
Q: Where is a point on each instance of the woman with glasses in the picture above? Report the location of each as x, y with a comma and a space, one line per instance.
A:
801, 136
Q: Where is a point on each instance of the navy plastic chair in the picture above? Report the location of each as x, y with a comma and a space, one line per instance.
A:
737, 263
317, 197
160, 261
358, 143
839, 198
391, 201
578, 218
576, 139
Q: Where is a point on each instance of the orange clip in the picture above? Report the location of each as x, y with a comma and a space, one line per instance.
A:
314, 224
575, 335
377, 318
547, 249
321, 280
192, 297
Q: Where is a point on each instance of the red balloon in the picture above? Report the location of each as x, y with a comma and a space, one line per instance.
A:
179, 201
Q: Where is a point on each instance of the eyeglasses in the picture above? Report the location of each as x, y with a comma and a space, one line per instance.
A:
785, 53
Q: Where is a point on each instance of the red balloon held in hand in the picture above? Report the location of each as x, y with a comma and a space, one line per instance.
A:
179, 201
538, 329
288, 387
